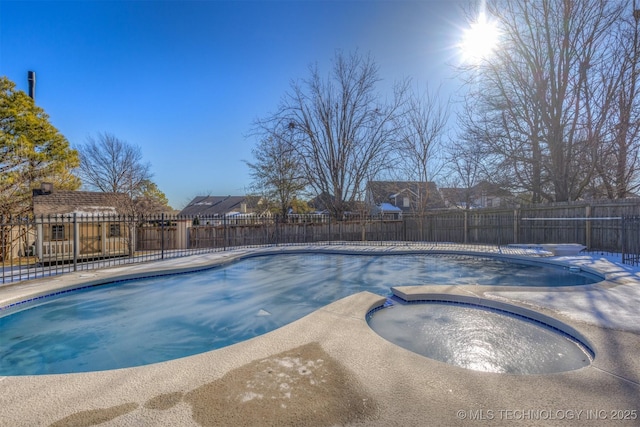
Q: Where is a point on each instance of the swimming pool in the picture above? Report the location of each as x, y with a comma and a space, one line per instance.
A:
145, 321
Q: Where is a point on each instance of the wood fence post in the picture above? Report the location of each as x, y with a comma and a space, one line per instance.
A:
587, 226
76, 241
39, 238
162, 236
466, 226
516, 225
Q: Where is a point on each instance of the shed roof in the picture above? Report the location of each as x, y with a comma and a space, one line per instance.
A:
79, 202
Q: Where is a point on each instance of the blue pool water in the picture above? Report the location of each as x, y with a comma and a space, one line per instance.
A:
151, 320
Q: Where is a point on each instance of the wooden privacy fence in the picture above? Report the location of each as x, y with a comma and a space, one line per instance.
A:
70, 241
604, 226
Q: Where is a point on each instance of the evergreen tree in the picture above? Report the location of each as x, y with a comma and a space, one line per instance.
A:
32, 150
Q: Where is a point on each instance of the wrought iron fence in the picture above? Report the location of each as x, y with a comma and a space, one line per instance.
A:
44, 246
630, 236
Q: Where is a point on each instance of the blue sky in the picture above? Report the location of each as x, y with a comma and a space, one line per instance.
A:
184, 80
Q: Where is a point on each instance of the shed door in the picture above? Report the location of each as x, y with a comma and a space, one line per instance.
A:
90, 238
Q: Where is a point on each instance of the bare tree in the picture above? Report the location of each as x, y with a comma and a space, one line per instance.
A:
277, 172
466, 161
530, 96
614, 113
421, 132
111, 165
342, 132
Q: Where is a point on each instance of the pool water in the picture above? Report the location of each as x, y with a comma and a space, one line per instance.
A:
479, 338
145, 321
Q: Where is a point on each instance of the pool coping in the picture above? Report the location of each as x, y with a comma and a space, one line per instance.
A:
413, 295
407, 387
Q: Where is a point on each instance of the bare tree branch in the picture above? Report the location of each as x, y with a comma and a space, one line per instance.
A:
343, 133
111, 165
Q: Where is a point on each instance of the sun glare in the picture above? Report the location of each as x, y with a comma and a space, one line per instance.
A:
479, 40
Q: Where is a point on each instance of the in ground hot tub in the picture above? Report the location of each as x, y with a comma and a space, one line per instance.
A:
482, 335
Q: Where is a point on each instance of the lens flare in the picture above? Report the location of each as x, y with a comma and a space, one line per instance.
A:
479, 40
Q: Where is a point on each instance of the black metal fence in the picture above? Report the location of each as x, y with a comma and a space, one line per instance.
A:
43, 246
630, 235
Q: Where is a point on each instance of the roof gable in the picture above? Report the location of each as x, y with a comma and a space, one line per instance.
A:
214, 205
379, 192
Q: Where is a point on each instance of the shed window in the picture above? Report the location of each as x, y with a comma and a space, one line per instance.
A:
405, 202
114, 230
57, 232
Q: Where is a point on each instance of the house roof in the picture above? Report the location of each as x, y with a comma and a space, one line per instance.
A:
79, 202
213, 205
461, 196
326, 203
321, 202
491, 189
385, 192
456, 195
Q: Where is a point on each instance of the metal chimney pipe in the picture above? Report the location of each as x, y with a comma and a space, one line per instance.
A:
31, 75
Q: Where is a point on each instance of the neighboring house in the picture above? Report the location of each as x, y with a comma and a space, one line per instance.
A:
79, 224
457, 198
482, 195
321, 204
394, 198
208, 215
325, 204
220, 206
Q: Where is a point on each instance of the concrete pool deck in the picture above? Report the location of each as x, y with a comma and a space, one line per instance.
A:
329, 368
